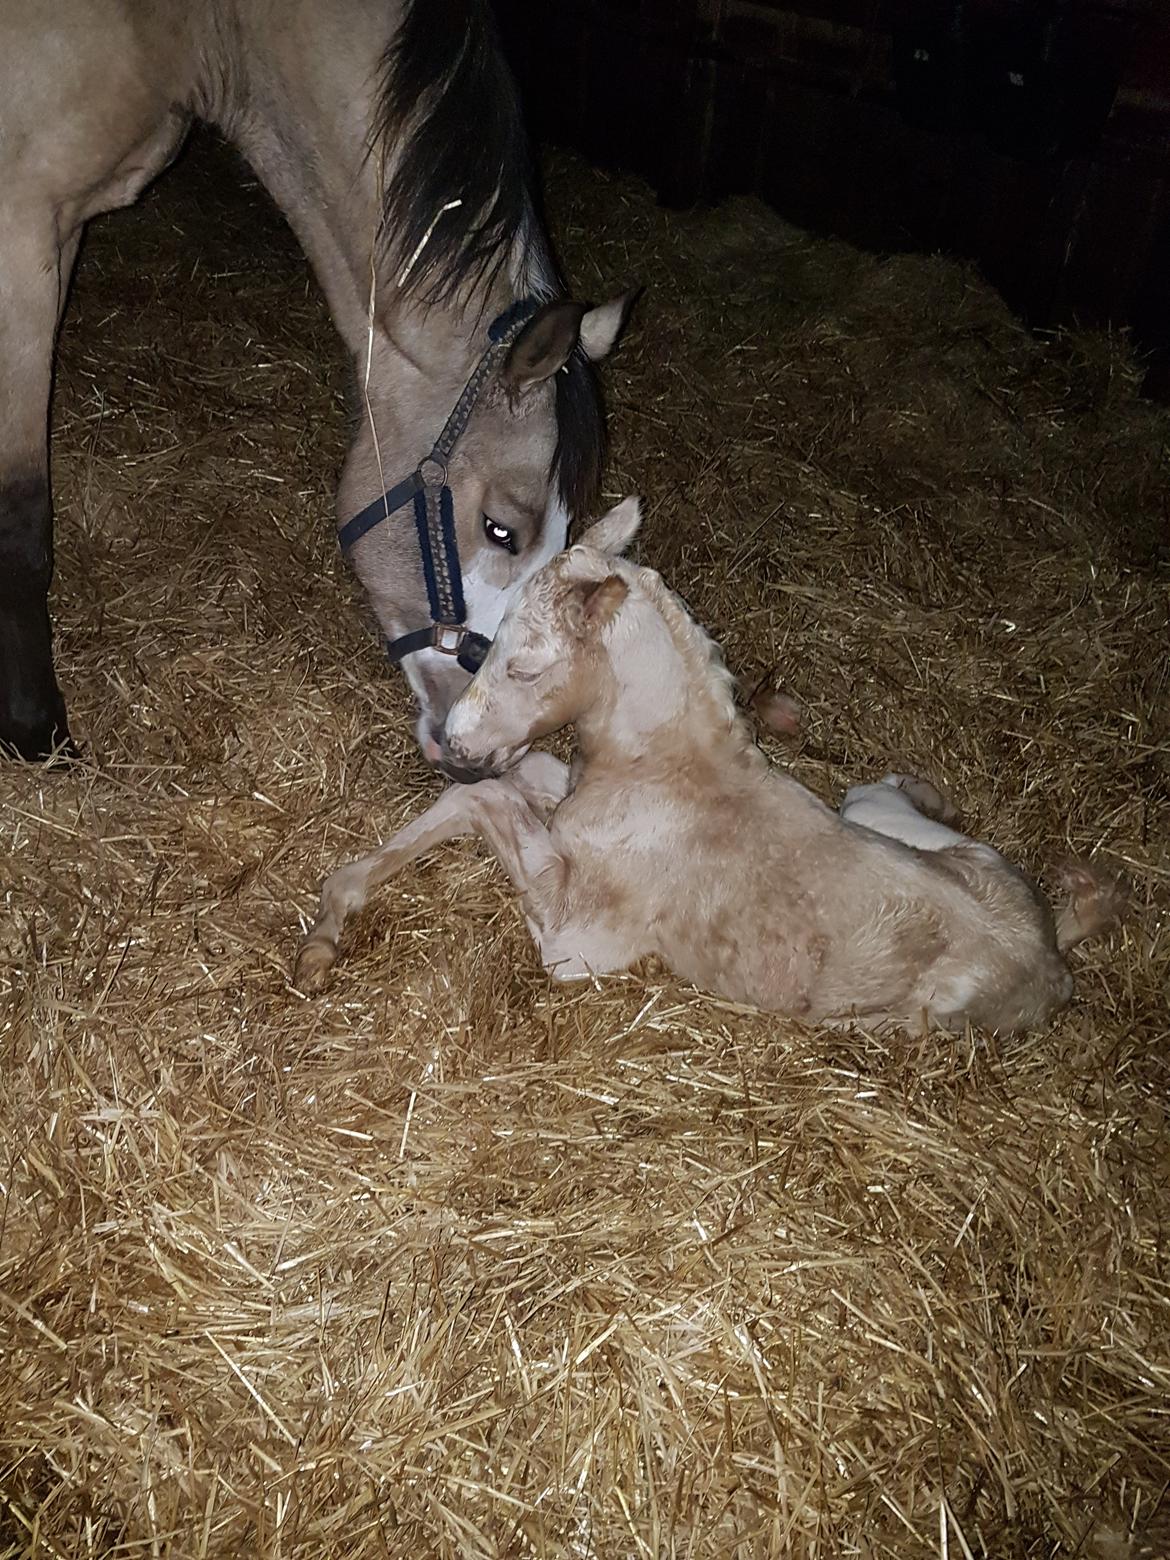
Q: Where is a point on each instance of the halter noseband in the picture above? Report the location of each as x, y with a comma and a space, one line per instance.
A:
434, 514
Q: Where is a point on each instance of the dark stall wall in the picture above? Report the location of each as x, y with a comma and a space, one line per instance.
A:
1031, 135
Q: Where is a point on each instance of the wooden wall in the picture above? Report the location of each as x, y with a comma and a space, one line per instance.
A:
1032, 135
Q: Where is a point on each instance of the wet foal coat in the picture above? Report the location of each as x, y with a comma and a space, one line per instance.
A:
674, 836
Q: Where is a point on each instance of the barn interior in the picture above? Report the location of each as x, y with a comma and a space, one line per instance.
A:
453, 1261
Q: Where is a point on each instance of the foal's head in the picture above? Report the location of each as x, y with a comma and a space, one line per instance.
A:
543, 668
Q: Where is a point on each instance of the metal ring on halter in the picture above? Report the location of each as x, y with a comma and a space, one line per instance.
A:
448, 638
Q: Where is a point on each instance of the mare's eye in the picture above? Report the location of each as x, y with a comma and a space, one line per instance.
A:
499, 535
517, 674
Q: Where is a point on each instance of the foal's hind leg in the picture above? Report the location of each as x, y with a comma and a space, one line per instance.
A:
905, 809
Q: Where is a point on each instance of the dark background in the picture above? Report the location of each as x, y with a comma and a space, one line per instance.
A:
1030, 135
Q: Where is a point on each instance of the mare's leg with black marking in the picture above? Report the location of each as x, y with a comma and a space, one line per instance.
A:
33, 282
90, 92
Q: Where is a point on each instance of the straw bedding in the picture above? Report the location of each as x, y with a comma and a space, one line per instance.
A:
453, 1263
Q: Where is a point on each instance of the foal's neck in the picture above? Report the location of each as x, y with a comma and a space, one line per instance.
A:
662, 704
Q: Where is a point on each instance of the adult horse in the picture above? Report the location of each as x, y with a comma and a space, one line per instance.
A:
389, 133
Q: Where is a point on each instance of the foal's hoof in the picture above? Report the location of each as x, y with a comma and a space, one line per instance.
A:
780, 712
927, 799
314, 964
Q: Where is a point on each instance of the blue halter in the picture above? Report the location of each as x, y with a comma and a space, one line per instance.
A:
434, 514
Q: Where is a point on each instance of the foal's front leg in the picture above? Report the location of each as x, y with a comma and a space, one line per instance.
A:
504, 813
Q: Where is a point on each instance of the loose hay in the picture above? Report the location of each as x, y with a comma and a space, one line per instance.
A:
451, 1262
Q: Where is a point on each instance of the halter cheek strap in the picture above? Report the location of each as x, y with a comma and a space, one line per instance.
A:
429, 492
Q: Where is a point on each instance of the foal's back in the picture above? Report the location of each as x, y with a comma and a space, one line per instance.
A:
748, 885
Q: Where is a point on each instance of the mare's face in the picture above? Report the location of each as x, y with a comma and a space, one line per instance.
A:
532, 448
510, 520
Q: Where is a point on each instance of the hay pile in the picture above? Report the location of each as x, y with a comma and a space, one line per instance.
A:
453, 1263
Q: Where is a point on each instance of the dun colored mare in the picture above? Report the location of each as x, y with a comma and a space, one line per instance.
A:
674, 836
388, 132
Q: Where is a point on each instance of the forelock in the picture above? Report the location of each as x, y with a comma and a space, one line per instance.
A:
541, 599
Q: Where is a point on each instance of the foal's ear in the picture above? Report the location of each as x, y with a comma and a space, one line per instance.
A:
543, 346
600, 600
601, 327
616, 529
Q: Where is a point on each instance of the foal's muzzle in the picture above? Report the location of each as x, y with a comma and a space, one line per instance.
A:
455, 765
463, 773
458, 765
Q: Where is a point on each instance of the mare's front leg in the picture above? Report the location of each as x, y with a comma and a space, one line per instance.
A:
89, 119
505, 813
36, 274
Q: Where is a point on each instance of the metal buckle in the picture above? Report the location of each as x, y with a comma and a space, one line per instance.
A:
448, 638
433, 471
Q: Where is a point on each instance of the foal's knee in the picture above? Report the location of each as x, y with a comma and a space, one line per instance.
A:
343, 892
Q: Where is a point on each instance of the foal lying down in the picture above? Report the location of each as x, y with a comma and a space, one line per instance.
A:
673, 835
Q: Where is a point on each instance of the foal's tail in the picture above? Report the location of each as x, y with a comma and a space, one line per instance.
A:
1097, 900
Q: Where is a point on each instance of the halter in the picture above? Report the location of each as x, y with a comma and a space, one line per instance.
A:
434, 514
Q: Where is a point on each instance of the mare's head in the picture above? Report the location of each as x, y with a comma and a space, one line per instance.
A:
461, 240
528, 461
545, 667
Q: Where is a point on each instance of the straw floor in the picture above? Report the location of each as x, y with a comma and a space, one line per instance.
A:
452, 1263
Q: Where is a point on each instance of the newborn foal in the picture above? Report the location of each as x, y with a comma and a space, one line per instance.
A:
674, 836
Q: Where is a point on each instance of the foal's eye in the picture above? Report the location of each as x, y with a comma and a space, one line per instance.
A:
499, 535
517, 674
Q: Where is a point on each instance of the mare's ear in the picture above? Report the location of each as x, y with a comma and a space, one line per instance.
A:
544, 345
600, 600
601, 327
616, 529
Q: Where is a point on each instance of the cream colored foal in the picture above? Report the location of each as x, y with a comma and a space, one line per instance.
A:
674, 836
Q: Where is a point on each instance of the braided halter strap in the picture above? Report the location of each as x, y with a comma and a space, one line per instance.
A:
434, 513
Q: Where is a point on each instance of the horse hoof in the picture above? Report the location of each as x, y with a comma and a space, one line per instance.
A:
927, 798
314, 964
51, 747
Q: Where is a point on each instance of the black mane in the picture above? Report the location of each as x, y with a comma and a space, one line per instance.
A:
581, 441
450, 100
